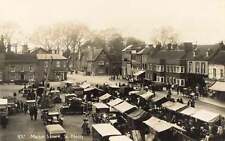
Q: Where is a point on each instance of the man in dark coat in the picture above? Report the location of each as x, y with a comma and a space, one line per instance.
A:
35, 113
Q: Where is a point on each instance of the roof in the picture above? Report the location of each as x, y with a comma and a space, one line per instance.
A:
100, 106
206, 116
128, 47
218, 86
139, 73
20, 58
105, 129
157, 124
174, 106
85, 85
36, 50
147, 95
169, 56
55, 129
105, 96
124, 107
115, 102
139, 114
95, 53
50, 56
119, 138
201, 52
3, 101
218, 58
189, 111
53, 113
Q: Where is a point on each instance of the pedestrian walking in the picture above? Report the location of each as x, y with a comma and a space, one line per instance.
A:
35, 113
31, 110
25, 108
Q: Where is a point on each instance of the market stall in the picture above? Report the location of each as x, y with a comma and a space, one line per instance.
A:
102, 132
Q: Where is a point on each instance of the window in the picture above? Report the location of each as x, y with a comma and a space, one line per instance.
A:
101, 63
12, 68
182, 82
190, 67
182, 69
22, 68
221, 73
162, 79
197, 68
177, 69
58, 64
167, 68
203, 68
214, 73
30, 68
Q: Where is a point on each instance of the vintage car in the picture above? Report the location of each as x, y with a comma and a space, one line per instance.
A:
69, 98
76, 106
55, 96
55, 133
53, 118
100, 112
3, 112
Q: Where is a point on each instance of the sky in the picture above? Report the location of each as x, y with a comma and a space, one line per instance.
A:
201, 21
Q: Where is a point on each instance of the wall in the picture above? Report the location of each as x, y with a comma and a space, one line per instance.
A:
218, 71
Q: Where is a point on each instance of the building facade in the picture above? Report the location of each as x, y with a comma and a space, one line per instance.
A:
54, 65
98, 63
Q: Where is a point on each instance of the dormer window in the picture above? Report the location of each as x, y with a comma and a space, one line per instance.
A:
194, 53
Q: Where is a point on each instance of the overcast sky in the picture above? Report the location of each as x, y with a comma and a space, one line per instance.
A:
195, 20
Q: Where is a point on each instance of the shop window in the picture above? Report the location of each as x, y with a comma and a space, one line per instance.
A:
58, 64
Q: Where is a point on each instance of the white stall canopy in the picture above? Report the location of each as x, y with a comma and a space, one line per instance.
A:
206, 116
106, 129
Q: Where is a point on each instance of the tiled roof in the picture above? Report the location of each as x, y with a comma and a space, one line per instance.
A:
20, 58
219, 58
50, 56
201, 52
170, 56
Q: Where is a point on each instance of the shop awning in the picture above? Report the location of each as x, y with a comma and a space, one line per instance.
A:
100, 106
158, 98
139, 73
105, 97
138, 114
218, 86
114, 86
160, 125
174, 106
147, 95
120, 138
124, 107
157, 124
115, 102
3, 101
85, 85
189, 111
105, 129
134, 92
206, 116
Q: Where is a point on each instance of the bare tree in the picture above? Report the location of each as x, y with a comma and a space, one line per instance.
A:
165, 35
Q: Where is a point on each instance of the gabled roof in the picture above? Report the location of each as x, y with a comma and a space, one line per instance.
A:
94, 54
36, 50
219, 58
50, 56
20, 58
201, 51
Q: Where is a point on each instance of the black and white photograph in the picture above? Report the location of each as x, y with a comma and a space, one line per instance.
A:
112, 70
